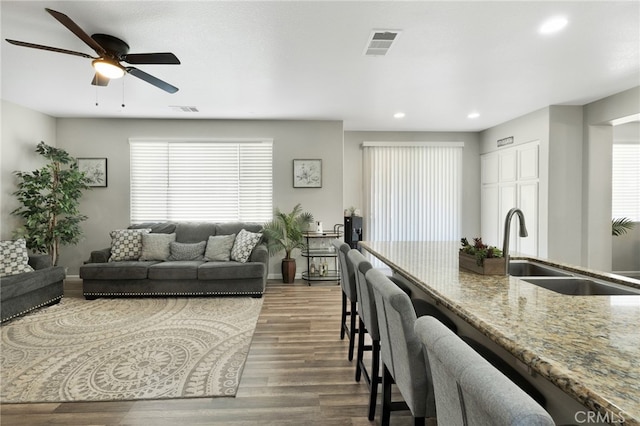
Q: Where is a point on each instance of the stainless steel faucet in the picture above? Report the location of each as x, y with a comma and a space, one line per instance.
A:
507, 234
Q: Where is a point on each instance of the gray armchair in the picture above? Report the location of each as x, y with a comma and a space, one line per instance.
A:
22, 293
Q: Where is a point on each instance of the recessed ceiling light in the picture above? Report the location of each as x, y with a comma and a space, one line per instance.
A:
553, 25
473, 115
399, 115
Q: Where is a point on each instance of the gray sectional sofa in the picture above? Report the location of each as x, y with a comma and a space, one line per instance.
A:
24, 292
134, 278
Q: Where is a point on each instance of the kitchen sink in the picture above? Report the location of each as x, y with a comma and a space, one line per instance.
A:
524, 268
578, 286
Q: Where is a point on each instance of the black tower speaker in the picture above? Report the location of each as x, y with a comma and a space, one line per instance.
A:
353, 230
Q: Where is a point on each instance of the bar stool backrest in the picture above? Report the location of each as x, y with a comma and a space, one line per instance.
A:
401, 350
367, 304
468, 389
347, 275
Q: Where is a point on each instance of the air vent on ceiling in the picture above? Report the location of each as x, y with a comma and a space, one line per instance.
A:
179, 108
380, 41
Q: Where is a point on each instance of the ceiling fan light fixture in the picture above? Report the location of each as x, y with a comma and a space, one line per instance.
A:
107, 68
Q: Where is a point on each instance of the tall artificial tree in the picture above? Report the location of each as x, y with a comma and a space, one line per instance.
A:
50, 198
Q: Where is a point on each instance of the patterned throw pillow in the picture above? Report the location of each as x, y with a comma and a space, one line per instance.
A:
219, 247
126, 244
187, 251
156, 246
14, 258
244, 244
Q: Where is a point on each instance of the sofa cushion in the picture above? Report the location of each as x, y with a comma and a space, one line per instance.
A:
125, 270
219, 248
228, 228
230, 270
156, 246
244, 244
14, 258
156, 227
187, 251
126, 244
194, 232
175, 270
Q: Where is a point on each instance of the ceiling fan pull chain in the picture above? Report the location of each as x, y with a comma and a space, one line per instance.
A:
123, 93
96, 95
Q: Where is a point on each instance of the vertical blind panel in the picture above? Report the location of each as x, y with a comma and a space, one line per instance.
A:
201, 181
626, 181
414, 193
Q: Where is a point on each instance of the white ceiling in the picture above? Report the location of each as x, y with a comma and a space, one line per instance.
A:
304, 59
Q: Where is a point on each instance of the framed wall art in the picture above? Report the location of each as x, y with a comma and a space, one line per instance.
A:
96, 170
307, 173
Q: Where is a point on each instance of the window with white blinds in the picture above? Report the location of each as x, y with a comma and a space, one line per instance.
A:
413, 191
625, 183
217, 181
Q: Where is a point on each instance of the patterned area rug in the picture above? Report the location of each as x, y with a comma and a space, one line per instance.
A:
127, 349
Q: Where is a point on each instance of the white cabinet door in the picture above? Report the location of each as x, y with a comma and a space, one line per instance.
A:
528, 203
510, 179
490, 218
489, 164
508, 197
508, 166
528, 162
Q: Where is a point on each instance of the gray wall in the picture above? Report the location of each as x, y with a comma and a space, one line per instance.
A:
108, 208
575, 174
354, 186
599, 117
574, 143
22, 130
626, 248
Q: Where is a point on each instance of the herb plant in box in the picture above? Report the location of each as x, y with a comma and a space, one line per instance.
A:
481, 258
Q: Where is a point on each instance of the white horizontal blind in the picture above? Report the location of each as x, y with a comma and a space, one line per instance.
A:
626, 181
413, 192
201, 181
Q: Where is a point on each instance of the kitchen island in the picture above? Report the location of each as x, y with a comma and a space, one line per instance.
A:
586, 346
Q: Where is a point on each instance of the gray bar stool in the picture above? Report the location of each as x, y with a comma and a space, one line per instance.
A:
402, 354
468, 389
349, 295
369, 324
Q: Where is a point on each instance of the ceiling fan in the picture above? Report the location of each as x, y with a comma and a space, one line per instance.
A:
111, 51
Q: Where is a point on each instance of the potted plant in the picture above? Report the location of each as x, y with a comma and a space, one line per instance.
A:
481, 258
50, 199
621, 225
286, 232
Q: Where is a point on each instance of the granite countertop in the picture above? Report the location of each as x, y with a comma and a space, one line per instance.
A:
588, 346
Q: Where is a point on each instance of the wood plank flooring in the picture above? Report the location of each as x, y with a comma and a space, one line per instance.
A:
297, 373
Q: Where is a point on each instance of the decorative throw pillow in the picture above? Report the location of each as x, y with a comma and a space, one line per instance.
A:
244, 244
187, 251
156, 246
219, 247
14, 258
126, 244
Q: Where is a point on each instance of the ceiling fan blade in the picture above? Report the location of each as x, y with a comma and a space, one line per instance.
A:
79, 32
152, 80
151, 58
100, 80
49, 48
